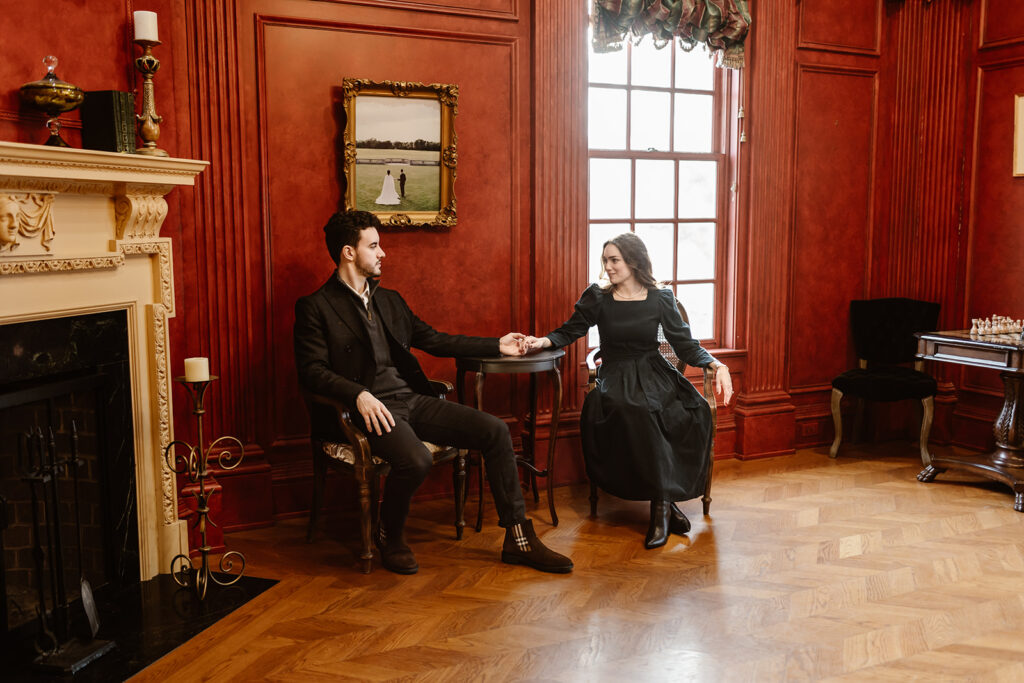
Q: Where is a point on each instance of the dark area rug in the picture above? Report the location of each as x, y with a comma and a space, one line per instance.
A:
145, 622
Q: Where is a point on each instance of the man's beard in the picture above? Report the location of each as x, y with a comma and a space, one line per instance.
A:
372, 271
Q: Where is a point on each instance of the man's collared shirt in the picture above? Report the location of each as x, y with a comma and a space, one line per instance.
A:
364, 295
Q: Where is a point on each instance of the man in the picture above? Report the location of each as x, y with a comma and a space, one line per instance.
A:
401, 182
352, 341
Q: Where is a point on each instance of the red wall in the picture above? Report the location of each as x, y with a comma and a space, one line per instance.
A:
876, 163
995, 198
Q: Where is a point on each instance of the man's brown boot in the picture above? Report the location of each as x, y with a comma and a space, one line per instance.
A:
395, 554
523, 547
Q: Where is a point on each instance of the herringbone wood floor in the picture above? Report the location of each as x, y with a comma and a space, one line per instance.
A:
808, 568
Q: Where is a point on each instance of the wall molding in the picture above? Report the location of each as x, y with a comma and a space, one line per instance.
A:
509, 14
874, 50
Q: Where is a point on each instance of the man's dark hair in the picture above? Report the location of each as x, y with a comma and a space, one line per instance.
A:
344, 227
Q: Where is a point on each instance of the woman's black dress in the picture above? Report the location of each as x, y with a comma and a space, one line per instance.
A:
645, 429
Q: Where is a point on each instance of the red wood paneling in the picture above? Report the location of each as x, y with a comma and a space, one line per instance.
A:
832, 215
764, 414
91, 42
560, 180
1002, 22
460, 280
852, 26
495, 9
994, 275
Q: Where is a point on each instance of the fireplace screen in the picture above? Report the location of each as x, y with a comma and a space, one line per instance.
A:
63, 379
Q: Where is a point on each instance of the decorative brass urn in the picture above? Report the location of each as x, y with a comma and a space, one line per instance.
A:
53, 97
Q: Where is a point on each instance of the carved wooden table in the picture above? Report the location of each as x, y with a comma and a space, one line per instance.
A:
544, 361
1004, 352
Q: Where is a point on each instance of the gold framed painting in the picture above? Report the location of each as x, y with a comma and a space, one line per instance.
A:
400, 151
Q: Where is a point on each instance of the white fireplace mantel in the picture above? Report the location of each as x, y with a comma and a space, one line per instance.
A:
86, 239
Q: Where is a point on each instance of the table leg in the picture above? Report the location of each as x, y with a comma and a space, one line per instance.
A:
460, 381
480, 472
533, 438
1009, 427
1004, 464
556, 410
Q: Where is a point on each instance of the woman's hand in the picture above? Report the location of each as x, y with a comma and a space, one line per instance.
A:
723, 383
536, 343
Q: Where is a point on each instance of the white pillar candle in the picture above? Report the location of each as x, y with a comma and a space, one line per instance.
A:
145, 26
197, 369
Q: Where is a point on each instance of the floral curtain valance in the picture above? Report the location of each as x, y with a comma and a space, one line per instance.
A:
721, 25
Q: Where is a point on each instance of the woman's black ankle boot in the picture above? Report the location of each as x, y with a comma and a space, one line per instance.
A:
678, 523
657, 532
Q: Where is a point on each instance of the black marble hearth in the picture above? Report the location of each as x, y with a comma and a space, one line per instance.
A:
145, 621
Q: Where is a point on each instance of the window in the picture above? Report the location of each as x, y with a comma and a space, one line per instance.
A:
659, 150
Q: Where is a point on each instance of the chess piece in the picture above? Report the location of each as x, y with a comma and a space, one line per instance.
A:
974, 326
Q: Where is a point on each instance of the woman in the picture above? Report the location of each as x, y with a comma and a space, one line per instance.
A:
387, 191
645, 428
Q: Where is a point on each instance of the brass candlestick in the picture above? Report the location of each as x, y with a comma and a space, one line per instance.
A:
194, 465
149, 122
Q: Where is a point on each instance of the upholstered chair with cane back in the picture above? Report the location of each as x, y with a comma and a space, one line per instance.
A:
352, 456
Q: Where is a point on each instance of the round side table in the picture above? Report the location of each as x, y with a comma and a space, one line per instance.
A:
534, 363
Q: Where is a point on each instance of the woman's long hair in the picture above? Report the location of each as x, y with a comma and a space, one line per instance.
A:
634, 253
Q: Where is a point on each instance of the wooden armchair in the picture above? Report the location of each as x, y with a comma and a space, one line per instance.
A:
593, 360
353, 456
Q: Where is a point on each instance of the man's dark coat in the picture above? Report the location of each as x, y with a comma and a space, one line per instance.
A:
333, 355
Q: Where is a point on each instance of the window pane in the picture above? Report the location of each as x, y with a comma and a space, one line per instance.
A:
606, 118
599, 234
697, 189
650, 120
606, 67
610, 183
696, 251
658, 238
694, 69
652, 66
655, 188
699, 301
693, 121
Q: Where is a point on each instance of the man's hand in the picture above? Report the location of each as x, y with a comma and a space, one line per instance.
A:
512, 344
376, 414
536, 343
723, 383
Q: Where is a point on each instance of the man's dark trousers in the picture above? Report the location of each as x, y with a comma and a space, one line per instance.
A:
424, 418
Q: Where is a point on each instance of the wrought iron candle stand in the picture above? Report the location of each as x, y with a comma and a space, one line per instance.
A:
195, 466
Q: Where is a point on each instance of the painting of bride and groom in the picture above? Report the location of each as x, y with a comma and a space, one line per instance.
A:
398, 154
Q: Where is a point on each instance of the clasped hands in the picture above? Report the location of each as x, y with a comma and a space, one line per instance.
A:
519, 344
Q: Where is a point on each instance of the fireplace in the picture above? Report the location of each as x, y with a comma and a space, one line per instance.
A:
67, 379
82, 240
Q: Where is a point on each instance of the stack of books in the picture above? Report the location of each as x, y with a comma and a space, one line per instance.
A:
108, 121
